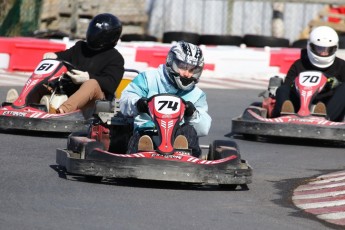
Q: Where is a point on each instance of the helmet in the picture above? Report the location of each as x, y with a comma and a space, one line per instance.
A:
103, 32
322, 45
185, 56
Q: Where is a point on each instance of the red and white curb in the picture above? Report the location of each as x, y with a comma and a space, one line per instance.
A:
324, 197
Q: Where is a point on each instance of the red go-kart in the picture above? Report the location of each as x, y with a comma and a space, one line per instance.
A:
102, 152
49, 85
256, 120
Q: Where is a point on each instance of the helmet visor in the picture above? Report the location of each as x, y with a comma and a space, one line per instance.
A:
178, 64
323, 51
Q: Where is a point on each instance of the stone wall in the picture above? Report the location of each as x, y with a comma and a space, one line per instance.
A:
73, 16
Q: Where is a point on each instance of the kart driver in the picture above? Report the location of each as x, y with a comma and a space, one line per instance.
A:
319, 56
178, 76
100, 65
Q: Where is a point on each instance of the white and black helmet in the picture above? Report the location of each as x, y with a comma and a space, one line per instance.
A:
185, 56
322, 45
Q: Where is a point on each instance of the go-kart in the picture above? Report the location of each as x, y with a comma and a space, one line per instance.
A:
257, 119
47, 85
102, 152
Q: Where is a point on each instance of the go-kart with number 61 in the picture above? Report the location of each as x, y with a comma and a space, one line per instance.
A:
308, 122
102, 152
48, 85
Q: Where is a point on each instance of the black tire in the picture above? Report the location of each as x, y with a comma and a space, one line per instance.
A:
209, 39
262, 41
138, 37
93, 179
301, 43
257, 104
249, 137
213, 154
169, 37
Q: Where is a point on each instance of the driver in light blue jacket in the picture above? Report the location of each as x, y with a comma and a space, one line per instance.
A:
180, 74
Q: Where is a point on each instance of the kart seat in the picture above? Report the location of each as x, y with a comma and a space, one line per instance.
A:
123, 84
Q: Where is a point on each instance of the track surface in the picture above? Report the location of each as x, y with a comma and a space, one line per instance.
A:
35, 194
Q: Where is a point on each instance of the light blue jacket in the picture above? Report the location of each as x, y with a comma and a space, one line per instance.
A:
153, 82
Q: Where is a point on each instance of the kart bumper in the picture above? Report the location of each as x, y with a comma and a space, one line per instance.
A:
60, 125
111, 166
260, 128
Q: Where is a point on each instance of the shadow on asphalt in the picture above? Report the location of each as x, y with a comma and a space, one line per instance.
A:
289, 141
34, 133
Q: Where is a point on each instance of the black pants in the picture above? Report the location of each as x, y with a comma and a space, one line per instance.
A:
187, 130
334, 101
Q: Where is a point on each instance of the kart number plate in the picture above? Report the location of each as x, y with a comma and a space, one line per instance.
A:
167, 104
46, 66
310, 78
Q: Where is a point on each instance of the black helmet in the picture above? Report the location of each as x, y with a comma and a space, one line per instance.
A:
103, 32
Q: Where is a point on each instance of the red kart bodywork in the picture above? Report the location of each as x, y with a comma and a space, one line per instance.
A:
97, 155
26, 114
257, 121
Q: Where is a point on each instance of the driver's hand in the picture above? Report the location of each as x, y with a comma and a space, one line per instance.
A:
333, 81
78, 77
190, 109
49, 55
142, 105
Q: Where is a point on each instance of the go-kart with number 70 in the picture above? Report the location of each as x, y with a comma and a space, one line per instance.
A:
307, 122
103, 151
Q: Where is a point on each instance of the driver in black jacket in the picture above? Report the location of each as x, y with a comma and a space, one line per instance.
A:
319, 56
100, 66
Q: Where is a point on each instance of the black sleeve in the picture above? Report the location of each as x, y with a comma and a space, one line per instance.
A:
342, 70
291, 74
110, 76
67, 55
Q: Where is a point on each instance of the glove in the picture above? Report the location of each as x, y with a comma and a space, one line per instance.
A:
78, 77
142, 106
49, 55
190, 109
333, 82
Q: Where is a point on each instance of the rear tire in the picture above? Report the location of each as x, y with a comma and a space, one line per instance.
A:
215, 154
93, 179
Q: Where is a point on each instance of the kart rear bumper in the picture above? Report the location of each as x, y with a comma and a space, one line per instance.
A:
112, 166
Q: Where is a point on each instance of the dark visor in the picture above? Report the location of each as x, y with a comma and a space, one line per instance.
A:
323, 51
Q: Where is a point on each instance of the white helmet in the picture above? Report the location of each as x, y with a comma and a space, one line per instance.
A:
322, 45
185, 55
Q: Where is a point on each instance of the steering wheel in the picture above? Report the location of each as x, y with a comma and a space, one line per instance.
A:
65, 78
68, 65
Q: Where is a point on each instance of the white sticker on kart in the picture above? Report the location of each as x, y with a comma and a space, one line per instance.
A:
46, 66
167, 104
309, 78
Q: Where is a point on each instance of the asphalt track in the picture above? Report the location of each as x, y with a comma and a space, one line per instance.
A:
36, 194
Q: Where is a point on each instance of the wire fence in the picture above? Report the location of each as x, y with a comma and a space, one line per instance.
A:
218, 17
232, 17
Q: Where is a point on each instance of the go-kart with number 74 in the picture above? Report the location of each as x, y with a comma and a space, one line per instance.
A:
103, 151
